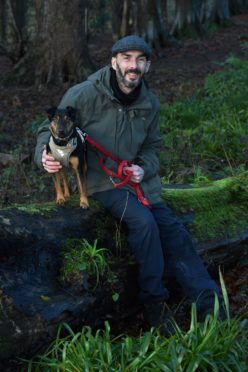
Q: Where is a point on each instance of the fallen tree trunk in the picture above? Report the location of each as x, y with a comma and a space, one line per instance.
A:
34, 300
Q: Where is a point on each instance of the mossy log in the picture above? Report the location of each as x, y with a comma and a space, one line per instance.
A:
33, 298
216, 213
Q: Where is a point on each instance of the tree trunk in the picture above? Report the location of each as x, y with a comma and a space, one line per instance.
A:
62, 49
181, 14
238, 6
33, 298
117, 7
149, 21
47, 41
143, 17
121, 18
222, 11
125, 30
195, 13
11, 29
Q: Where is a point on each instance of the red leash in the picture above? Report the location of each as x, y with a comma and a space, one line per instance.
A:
125, 179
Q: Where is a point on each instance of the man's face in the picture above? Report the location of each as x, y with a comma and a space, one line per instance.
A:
130, 67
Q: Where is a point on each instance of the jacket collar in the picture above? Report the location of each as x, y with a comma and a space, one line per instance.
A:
101, 79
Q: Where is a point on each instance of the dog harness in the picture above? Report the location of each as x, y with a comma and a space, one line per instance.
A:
124, 179
63, 153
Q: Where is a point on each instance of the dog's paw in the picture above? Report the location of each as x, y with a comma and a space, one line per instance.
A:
84, 204
60, 201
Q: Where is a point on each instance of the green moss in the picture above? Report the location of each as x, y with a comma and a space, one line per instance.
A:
220, 208
94, 204
36, 208
223, 222
48, 207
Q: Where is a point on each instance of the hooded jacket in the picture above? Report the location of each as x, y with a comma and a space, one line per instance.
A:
128, 132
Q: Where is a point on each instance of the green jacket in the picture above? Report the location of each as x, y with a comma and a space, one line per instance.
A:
130, 133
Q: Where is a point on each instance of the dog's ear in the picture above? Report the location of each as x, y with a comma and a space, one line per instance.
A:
71, 112
51, 112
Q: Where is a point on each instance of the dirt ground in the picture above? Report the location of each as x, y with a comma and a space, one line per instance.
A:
176, 71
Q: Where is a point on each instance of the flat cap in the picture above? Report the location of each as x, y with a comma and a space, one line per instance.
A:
131, 42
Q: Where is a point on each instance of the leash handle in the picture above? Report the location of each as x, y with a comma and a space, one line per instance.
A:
125, 179
119, 175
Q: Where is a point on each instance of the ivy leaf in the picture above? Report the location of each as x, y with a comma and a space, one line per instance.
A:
115, 297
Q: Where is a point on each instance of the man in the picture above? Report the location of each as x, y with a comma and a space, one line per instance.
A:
117, 109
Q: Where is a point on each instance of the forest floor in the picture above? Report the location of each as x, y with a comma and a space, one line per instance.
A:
176, 71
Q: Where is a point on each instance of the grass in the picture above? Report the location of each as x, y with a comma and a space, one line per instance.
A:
213, 345
208, 131
79, 255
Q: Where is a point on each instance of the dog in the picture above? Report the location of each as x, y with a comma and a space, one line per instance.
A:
68, 147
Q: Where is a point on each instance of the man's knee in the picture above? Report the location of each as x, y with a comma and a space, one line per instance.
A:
145, 223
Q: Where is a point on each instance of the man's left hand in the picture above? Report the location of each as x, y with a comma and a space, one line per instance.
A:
137, 173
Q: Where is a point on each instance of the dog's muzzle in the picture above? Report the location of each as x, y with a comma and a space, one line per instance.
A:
61, 141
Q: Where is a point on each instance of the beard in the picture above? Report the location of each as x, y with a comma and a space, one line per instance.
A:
124, 82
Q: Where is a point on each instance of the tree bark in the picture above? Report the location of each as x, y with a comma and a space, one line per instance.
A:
195, 13
149, 21
10, 35
63, 56
46, 40
125, 29
143, 17
121, 13
116, 16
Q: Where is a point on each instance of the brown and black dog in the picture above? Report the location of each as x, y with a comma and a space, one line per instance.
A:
69, 148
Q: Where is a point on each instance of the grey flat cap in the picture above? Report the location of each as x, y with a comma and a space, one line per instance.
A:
131, 42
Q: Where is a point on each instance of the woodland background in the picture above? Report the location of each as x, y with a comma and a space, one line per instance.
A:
48, 41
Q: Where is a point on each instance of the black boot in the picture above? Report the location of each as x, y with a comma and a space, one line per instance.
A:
158, 316
204, 311
205, 305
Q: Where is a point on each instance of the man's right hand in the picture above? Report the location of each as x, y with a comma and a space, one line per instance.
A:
49, 163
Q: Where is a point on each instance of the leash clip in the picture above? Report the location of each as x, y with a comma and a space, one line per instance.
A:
112, 180
83, 135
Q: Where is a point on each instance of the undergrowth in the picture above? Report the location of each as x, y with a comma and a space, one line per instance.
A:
81, 256
207, 133
211, 345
